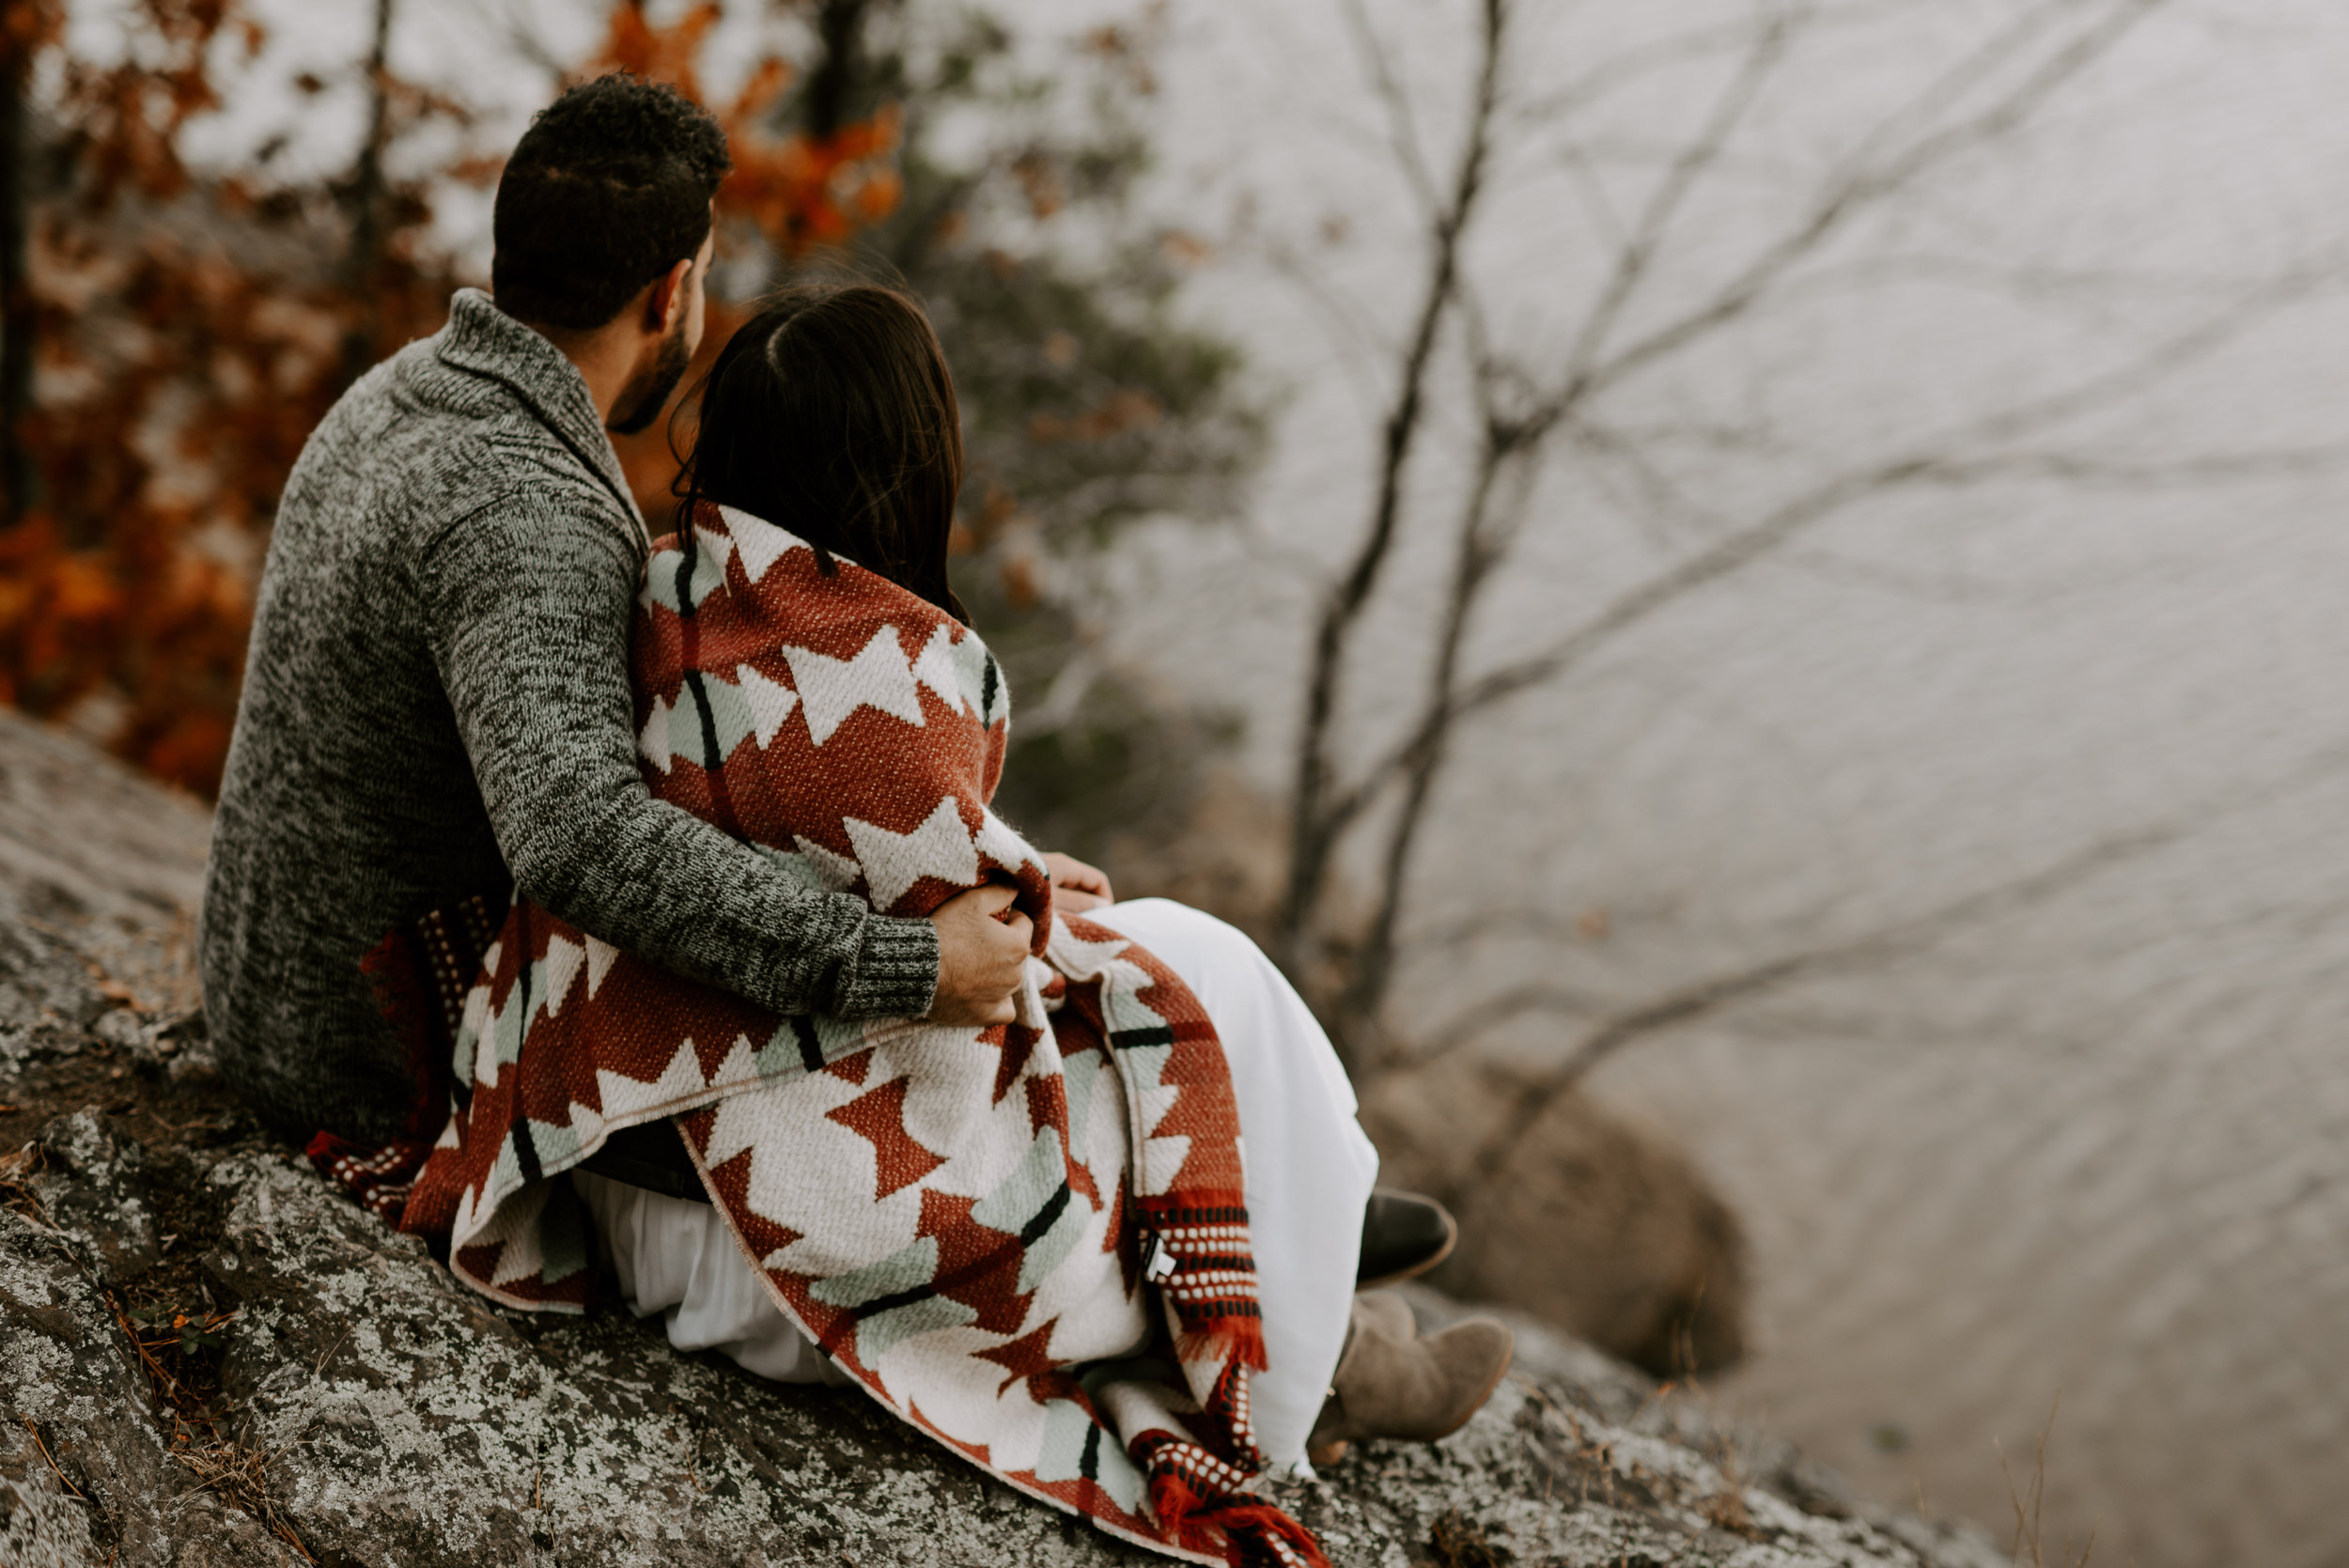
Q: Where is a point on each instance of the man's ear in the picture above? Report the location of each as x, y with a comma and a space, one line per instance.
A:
666, 298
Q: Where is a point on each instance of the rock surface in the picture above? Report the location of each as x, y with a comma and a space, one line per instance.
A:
209, 1358
374, 1411
1635, 1251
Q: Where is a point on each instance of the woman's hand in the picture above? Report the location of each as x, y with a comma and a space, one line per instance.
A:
982, 953
1079, 887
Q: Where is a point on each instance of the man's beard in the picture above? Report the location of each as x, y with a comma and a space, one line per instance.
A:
667, 371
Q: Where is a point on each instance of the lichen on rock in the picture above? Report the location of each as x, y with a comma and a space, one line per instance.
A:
402, 1420
327, 1392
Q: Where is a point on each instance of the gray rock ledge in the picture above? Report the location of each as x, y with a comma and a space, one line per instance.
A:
360, 1409
384, 1415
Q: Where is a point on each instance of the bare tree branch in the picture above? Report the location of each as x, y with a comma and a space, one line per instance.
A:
1477, 551
1942, 459
1637, 254
1473, 1023
1313, 839
1721, 560
1869, 183
1985, 97
1401, 123
1717, 993
1632, 67
1598, 204
1326, 810
521, 36
1350, 326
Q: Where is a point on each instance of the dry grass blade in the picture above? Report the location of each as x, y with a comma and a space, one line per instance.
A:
239, 1475
37, 1443
1458, 1542
1726, 1510
160, 1379
317, 1371
16, 1173
2028, 1504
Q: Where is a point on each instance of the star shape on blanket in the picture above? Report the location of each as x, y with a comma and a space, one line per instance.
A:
830, 689
765, 1238
999, 842
977, 1264
879, 1115
759, 543
766, 703
893, 863
934, 667
715, 546
600, 957
1026, 1357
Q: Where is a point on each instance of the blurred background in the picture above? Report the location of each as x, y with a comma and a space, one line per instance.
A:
1745, 592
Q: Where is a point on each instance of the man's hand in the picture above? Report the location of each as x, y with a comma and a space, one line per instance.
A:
981, 948
1078, 886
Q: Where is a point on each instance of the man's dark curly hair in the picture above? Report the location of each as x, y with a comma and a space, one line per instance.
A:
607, 189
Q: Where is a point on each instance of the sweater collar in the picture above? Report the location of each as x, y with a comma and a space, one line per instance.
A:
483, 339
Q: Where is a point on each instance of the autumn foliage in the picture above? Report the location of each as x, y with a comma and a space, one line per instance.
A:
190, 328
794, 190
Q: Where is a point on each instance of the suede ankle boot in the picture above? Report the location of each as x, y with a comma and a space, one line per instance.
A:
1391, 1383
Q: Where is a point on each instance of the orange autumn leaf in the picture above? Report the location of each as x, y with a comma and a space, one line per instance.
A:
182, 366
660, 54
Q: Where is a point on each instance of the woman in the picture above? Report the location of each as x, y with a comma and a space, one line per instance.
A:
1040, 1241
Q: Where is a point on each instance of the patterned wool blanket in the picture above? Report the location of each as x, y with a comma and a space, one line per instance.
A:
1029, 1240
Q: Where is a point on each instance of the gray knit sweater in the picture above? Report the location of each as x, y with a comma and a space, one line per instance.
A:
437, 697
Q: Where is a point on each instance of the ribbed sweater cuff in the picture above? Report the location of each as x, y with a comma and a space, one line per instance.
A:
894, 972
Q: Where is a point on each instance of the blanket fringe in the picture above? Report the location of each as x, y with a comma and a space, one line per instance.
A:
1238, 1340
1242, 1522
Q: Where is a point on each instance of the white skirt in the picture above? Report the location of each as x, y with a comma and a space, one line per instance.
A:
1310, 1172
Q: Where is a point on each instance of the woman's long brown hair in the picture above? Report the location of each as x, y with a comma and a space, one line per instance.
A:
832, 415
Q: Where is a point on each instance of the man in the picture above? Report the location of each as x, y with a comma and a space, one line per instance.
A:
437, 693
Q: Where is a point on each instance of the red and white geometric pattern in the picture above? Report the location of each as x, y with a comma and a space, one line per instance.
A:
1029, 1240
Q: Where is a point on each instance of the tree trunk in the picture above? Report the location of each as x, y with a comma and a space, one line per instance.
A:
831, 84
17, 485
366, 201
